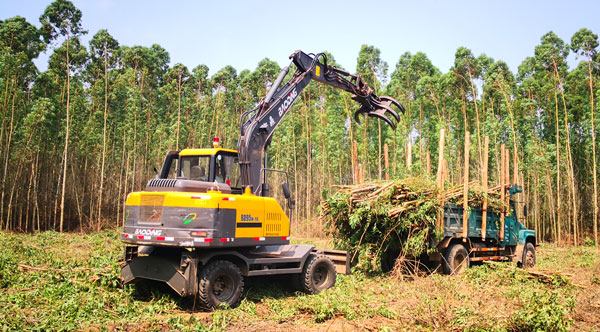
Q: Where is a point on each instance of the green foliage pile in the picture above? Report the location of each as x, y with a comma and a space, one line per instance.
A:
377, 220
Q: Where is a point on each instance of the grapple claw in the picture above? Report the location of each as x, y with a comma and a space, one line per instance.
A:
394, 102
358, 113
380, 113
374, 106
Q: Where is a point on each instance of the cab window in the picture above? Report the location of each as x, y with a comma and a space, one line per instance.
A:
227, 170
194, 168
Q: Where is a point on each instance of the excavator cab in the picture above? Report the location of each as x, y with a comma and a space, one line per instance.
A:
197, 201
213, 167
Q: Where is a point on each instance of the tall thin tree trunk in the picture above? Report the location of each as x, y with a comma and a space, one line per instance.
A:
594, 175
7, 157
66, 151
474, 92
178, 109
558, 207
570, 172
100, 197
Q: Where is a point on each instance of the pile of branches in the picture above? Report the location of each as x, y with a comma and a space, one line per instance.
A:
378, 222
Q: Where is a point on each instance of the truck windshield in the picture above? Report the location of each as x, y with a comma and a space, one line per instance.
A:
194, 168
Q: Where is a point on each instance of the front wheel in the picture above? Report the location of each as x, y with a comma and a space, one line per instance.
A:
318, 274
528, 255
220, 282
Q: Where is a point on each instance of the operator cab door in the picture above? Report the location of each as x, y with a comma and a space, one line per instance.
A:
226, 169
250, 209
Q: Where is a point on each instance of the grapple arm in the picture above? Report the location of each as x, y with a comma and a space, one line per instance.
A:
257, 125
371, 105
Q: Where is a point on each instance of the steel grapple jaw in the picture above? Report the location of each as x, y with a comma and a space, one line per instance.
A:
378, 107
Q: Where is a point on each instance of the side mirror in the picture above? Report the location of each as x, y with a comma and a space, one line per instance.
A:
156, 171
525, 210
286, 190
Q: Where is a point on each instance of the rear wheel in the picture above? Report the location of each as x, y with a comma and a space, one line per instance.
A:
220, 282
318, 274
456, 259
528, 255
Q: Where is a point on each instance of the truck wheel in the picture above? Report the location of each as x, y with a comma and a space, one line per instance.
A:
318, 274
220, 282
456, 259
528, 256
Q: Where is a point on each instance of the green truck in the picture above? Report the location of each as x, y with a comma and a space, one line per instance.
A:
507, 240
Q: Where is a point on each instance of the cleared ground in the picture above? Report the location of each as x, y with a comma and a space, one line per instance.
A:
53, 281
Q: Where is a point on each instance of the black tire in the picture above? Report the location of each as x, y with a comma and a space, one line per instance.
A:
220, 282
456, 259
318, 274
528, 256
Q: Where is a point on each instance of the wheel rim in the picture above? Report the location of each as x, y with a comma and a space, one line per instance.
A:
320, 275
223, 288
459, 263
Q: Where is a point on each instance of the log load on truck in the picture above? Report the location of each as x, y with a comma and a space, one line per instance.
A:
413, 220
206, 221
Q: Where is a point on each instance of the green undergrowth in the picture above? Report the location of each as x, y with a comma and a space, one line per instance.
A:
62, 282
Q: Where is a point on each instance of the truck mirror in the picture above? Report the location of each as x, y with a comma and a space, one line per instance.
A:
525, 210
156, 171
286, 190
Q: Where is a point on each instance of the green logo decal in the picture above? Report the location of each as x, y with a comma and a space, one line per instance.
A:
189, 218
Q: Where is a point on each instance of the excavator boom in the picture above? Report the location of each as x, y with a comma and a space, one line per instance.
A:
257, 125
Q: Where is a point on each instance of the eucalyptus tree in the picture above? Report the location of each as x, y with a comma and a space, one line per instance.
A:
373, 70
74, 124
143, 69
467, 70
175, 83
103, 49
585, 43
62, 18
410, 70
20, 43
225, 89
550, 58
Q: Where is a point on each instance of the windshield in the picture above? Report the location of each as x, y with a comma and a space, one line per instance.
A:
194, 168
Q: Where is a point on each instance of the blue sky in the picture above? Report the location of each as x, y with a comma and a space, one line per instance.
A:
241, 33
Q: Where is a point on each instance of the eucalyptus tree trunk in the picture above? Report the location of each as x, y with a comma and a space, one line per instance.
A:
178, 109
594, 174
66, 150
558, 207
570, 171
100, 196
7, 154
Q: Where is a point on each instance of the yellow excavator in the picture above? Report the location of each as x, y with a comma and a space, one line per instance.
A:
206, 221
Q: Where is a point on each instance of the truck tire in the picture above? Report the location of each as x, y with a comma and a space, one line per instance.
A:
456, 259
220, 282
528, 256
318, 274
